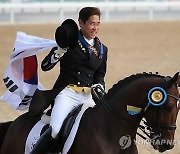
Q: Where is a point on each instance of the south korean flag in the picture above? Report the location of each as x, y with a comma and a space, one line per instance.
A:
21, 74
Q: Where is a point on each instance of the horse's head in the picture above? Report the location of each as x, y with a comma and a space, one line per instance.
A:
161, 111
152, 96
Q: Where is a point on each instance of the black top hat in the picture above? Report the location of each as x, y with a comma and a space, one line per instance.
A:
66, 35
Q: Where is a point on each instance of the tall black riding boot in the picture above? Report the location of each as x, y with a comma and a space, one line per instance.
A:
44, 143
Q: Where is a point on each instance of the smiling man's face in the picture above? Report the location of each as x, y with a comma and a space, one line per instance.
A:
91, 27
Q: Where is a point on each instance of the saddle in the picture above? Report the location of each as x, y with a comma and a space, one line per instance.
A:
66, 129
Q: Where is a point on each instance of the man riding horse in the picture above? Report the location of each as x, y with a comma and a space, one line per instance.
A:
82, 59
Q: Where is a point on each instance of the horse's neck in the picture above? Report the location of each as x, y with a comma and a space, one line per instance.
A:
111, 126
126, 123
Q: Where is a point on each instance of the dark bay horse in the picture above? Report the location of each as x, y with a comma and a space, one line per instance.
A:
111, 126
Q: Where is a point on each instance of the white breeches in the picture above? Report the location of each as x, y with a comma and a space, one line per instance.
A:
65, 102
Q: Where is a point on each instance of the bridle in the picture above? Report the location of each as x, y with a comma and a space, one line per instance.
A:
150, 129
156, 127
175, 97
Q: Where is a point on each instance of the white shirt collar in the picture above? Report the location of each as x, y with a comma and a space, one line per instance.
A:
91, 41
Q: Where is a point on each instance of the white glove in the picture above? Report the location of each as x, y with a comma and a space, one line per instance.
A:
58, 54
97, 92
98, 84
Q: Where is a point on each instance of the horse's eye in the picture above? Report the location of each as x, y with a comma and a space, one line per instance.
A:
168, 108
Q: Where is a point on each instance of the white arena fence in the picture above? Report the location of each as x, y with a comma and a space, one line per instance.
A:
111, 11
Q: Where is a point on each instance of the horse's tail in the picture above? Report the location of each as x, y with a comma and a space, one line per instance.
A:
3, 129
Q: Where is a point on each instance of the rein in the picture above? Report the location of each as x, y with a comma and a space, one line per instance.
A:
113, 113
110, 111
101, 92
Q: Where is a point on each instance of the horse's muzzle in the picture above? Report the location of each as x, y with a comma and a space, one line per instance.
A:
163, 144
165, 147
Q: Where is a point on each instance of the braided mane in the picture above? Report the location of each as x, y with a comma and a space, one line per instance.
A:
129, 79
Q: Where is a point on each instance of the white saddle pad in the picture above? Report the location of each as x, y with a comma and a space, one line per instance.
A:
34, 134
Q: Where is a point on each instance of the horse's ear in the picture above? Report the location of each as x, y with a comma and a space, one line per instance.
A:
175, 80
